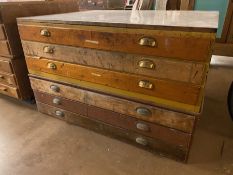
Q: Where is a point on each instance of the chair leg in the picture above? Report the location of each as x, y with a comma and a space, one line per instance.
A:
184, 5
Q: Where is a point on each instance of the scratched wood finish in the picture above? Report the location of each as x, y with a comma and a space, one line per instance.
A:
9, 90
155, 131
5, 66
182, 45
2, 33
181, 92
4, 48
180, 121
7, 79
153, 145
165, 68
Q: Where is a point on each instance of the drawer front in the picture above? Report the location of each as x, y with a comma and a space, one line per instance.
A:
4, 48
156, 67
172, 44
175, 91
2, 32
92, 4
144, 112
148, 143
5, 66
8, 79
8, 90
168, 135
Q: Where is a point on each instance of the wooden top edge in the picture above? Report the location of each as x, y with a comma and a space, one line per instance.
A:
147, 19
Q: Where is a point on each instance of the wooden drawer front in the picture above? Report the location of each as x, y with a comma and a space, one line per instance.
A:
2, 32
176, 91
161, 116
8, 90
183, 71
8, 79
4, 48
153, 145
5, 66
172, 44
168, 135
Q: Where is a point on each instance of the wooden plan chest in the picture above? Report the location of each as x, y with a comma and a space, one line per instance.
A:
14, 79
136, 76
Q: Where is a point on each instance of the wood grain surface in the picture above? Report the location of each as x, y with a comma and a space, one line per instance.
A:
9, 90
153, 145
176, 91
161, 116
4, 48
180, 45
2, 32
7, 79
164, 68
5, 66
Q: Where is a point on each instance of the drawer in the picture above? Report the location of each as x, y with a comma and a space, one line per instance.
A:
173, 44
92, 4
176, 120
2, 32
8, 79
5, 66
4, 48
168, 135
175, 91
153, 145
8, 90
157, 67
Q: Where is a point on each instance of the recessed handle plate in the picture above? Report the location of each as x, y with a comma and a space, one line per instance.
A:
1, 77
147, 41
48, 49
143, 127
141, 141
45, 32
3, 89
59, 113
145, 84
52, 66
56, 101
54, 88
143, 111
148, 64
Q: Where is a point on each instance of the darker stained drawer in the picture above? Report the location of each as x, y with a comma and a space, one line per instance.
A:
165, 89
154, 145
172, 44
179, 121
8, 79
168, 135
2, 32
9, 91
5, 66
4, 48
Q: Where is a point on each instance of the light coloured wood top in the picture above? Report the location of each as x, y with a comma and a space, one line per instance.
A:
142, 19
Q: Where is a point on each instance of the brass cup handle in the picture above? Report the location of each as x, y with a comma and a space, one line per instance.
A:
1, 77
56, 101
143, 127
52, 66
148, 64
59, 113
147, 41
143, 111
145, 84
45, 32
48, 49
3, 89
54, 88
141, 141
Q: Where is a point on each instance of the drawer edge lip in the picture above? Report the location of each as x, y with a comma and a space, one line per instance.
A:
188, 109
24, 21
136, 134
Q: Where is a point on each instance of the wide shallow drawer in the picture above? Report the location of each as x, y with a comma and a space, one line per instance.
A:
173, 44
8, 79
176, 120
5, 66
175, 91
8, 90
154, 145
2, 32
157, 67
4, 48
168, 135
